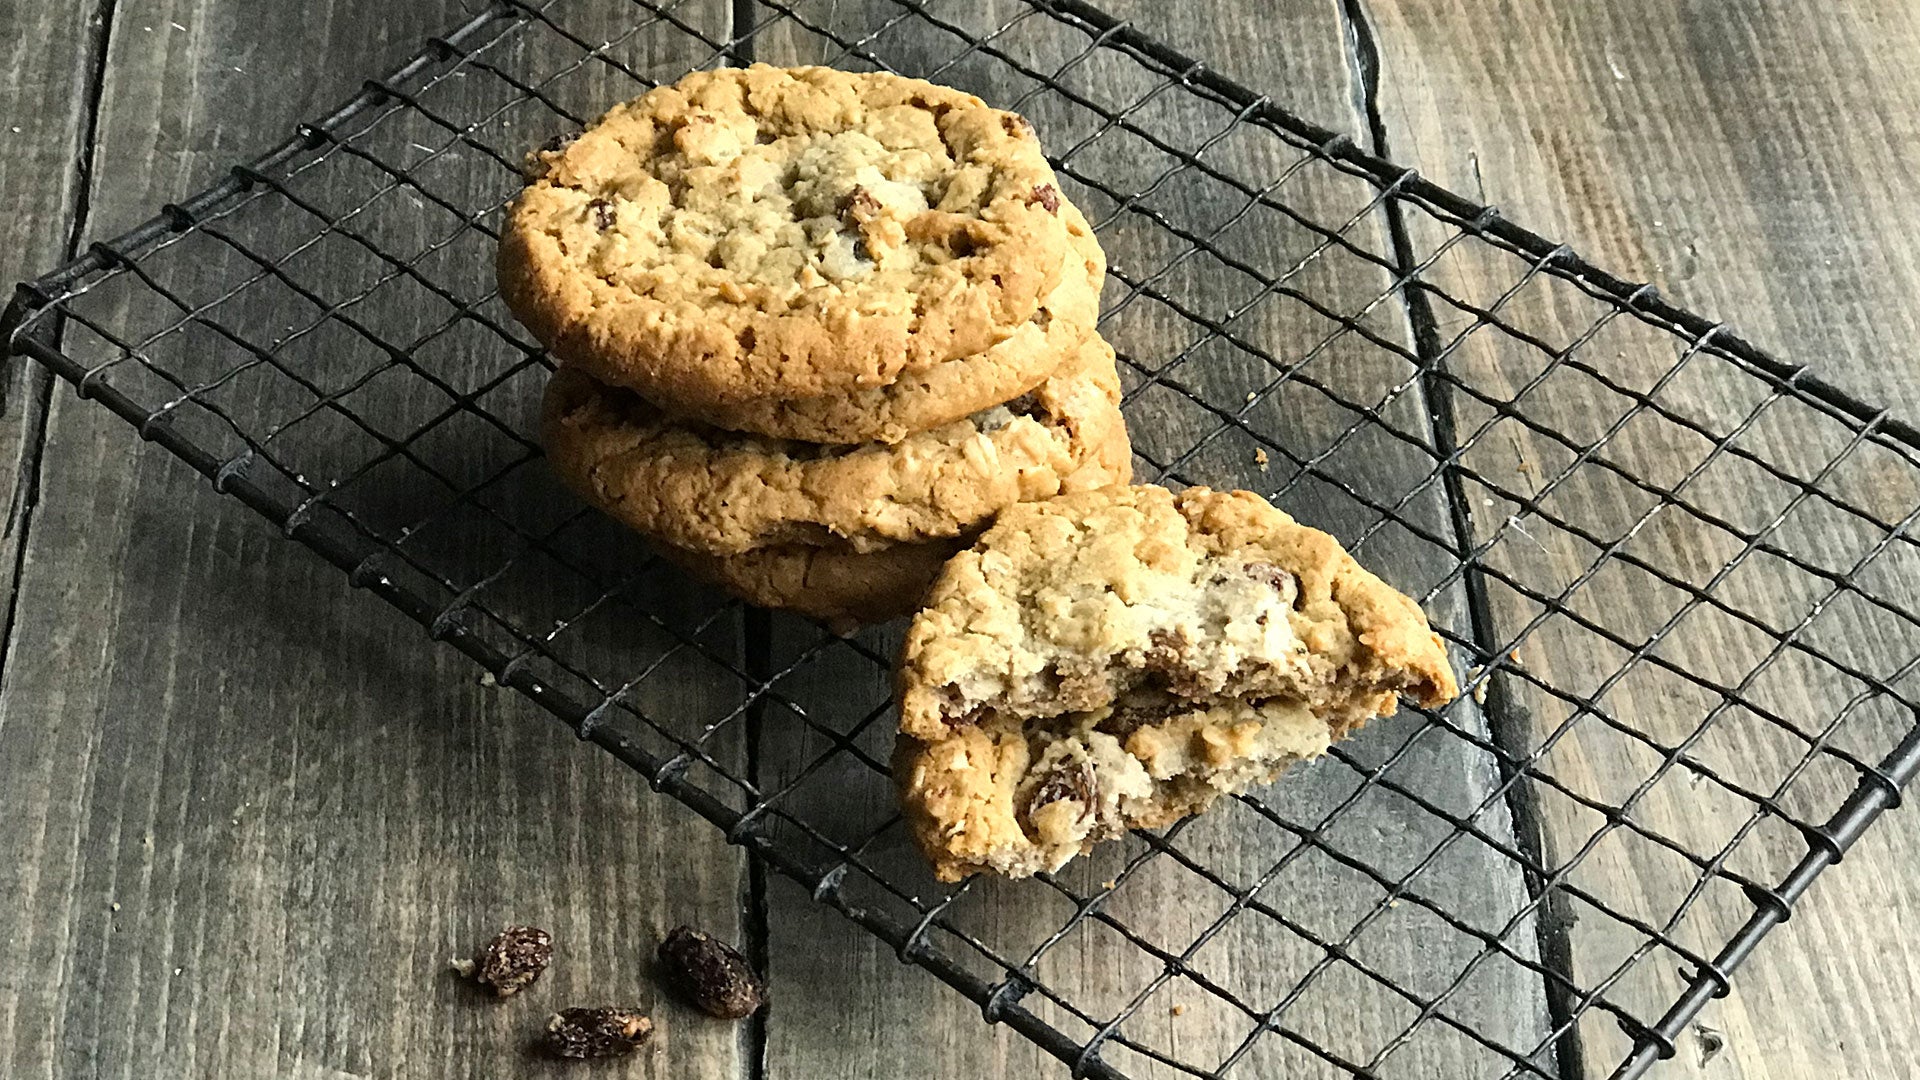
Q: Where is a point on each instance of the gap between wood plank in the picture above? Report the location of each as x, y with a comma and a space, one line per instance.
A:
39, 381
1550, 918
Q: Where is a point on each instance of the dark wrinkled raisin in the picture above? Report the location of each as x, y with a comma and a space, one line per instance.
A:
607, 1031
1074, 782
712, 974
602, 214
1047, 196
1016, 125
1269, 573
558, 142
515, 957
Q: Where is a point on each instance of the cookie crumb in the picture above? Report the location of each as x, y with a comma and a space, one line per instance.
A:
606, 1031
1108, 885
115, 905
463, 967
712, 974
1260, 458
1177, 1010
514, 958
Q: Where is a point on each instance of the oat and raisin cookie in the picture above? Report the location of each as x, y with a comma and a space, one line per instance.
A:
951, 389
724, 493
826, 583
1118, 659
783, 232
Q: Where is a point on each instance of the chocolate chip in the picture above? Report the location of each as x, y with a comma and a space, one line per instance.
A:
712, 974
1047, 196
603, 216
606, 1031
515, 957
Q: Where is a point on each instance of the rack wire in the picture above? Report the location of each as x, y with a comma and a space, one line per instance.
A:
1681, 707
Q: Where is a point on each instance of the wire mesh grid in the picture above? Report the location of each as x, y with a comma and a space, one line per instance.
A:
1677, 573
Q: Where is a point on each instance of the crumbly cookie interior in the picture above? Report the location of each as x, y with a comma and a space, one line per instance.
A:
1206, 631
1095, 775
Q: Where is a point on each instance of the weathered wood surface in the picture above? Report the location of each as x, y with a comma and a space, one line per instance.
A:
43, 132
1757, 162
250, 795
250, 816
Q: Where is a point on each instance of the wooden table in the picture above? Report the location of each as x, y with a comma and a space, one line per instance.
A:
245, 816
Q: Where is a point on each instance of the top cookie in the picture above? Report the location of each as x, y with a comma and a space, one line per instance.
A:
783, 232
1138, 597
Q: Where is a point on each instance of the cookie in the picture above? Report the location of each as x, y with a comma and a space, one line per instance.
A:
724, 493
1020, 798
952, 389
783, 232
841, 586
1117, 659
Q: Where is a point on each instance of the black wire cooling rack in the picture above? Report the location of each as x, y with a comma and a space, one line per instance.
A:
1677, 572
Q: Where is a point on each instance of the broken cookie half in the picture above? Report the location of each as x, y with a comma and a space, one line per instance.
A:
1118, 659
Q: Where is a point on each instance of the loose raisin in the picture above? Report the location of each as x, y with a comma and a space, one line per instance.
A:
606, 1031
515, 957
712, 974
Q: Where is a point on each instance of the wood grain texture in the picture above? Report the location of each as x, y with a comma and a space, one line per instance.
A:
205, 730
1751, 159
868, 1014
250, 816
43, 115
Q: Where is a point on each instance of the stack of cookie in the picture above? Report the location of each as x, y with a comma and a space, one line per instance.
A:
815, 329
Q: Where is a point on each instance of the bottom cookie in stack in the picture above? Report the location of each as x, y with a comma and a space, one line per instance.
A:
826, 583
842, 532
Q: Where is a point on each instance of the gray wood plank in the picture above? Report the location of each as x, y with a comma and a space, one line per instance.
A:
1752, 160
869, 1015
43, 112
251, 816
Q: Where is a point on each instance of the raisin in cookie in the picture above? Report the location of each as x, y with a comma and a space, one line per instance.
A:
724, 493
826, 583
783, 232
1120, 658
951, 389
